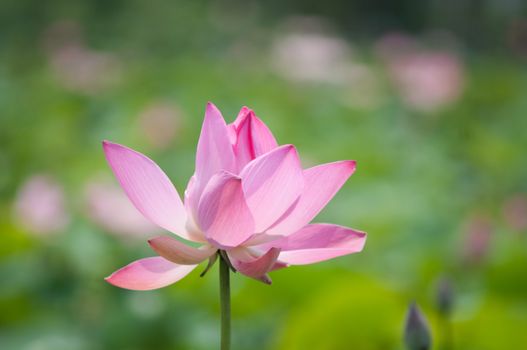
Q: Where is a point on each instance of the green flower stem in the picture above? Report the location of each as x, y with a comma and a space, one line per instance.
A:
225, 302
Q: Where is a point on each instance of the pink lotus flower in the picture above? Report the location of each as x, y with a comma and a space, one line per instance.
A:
249, 199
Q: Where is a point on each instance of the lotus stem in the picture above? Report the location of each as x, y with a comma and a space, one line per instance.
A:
225, 302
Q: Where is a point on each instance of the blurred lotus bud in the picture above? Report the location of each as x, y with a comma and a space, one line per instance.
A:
444, 297
515, 212
39, 206
477, 239
109, 208
160, 123
416, 332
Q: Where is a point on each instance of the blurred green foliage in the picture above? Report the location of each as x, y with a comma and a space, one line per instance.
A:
440, 191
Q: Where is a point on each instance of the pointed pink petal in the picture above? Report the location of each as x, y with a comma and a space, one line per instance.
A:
255, 267
317, 242
214, 151
263, 139
253, 140
223, 213
178, 252
272, 183
233, 127
147, 187
322, 182
243, 146
244, 112
148, 274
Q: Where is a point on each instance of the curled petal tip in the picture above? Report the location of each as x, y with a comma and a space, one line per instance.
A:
108, 143
292, 149
289, 147
245, 111
362, 236
350, 164
266, 279
211, 105
110, 280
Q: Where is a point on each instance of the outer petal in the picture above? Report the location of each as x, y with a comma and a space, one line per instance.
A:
148, 188
272, 183
214, 151
255, 267
223, 213
253, 139
322, 182
178, 252
317, 242
148, 274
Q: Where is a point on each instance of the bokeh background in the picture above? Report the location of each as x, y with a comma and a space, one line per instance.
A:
428, 96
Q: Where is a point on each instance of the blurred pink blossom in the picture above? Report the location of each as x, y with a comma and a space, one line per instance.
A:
311, 57
159, 123
249, 198
515, 212
478, 234
111, 210
426, 79
309, 53
39, 206
76, 66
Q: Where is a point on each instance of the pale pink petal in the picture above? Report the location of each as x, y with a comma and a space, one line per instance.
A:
148, 274
272, 183
191, 205
231, 130
178, 252
253, 140
322, 182
255, 267
189, 191
214, 151
223, 213
317, 242
148, 188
